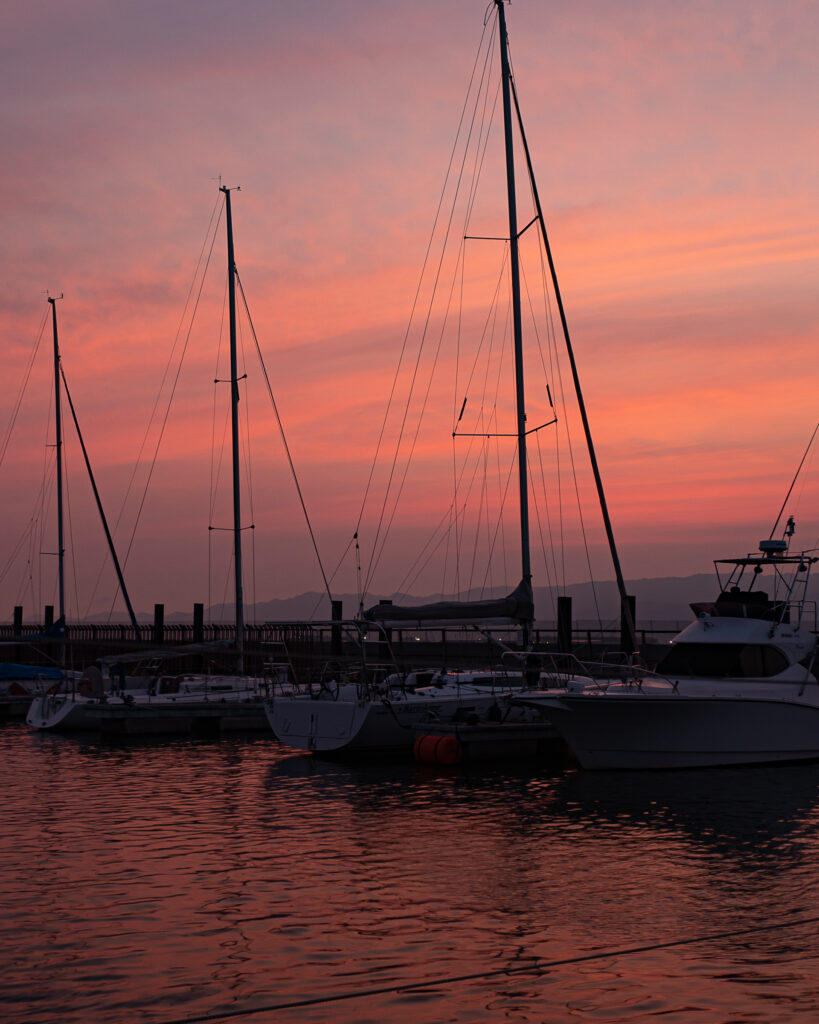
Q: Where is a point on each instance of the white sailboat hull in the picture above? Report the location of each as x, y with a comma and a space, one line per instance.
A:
640, 731
360, 725
63, 712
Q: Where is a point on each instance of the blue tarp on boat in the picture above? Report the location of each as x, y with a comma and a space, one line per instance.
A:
12, 671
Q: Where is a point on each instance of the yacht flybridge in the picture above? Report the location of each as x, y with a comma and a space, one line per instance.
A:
737, 686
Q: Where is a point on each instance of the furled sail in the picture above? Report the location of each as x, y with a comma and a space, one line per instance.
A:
518, 605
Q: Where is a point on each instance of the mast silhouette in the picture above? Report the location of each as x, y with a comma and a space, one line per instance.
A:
59, 450
234, 424
514, 260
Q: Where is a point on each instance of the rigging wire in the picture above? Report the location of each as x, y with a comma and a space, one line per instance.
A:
378, 549
481, 464
494, 423
19, 544
29, 539
72, 547
423, 565
418, 566
173, 389
490, 326
547, 550
484, 132
370, 570
334, 573
499, 522
283, 437
552, 372
535, 966
27, 535
483, 502
23, 385
420, 280
569, 445
793, 482
193, 297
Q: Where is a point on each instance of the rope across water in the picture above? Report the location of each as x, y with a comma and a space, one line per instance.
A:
534, 967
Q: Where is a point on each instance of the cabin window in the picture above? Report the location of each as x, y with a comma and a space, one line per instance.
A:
737, 661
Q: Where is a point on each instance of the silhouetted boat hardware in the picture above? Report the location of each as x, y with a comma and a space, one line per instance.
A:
738, 685
380, 710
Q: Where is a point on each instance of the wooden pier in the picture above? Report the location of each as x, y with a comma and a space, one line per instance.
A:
305, 644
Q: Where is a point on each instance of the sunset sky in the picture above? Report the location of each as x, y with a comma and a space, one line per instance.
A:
676, 150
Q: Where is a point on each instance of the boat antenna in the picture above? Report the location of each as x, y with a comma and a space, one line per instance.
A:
793, 482
516, 314
234, 422
625, 604
59, 449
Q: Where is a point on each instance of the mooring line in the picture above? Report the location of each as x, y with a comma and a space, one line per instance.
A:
535, 967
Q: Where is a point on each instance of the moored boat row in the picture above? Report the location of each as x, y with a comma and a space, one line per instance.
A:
737, 686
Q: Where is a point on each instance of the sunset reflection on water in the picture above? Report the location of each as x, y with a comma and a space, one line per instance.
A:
163, 881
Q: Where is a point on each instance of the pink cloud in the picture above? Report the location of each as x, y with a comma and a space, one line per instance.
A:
675, 157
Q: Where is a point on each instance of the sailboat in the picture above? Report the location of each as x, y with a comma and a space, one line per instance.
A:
376, 711
46, 684
94, 698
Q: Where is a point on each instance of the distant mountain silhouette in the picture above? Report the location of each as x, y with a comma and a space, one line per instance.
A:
657, 600
662, 601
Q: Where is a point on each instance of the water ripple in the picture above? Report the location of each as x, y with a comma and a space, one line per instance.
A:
159, 881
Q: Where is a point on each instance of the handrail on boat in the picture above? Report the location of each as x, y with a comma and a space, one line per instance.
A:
566, 667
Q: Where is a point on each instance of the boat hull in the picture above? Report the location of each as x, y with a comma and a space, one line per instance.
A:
216, 710
60, 712
637, 731
346, 725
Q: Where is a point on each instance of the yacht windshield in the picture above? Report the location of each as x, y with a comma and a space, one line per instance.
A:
737, 661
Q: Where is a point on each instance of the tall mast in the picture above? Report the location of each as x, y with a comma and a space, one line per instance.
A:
59, 448
516, 315
234, 422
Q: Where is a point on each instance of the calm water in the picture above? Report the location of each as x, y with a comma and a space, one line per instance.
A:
167, 881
